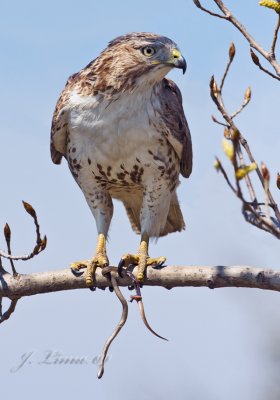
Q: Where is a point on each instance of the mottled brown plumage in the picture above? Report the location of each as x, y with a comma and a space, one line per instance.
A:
120, 125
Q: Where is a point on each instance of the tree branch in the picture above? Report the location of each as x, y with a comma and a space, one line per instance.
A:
252, 211
168, 277
268, 55
275, 37
198, 5
10, 310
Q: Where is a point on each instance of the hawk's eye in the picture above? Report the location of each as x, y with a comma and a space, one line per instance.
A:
148, 51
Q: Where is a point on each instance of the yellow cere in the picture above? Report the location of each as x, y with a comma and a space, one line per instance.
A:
176, 53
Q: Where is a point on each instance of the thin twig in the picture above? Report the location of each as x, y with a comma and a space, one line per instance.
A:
268, 72
252, 42
198, 5
118, 327
24, 257
240, 109
248, 181
266, 178
259, 220
275, 37
274, 205
218, 122
231, 58
266, 201
241, 28
39, 246
10, 310
223, 171
7, 234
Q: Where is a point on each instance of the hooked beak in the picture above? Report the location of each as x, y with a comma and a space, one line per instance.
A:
178, 60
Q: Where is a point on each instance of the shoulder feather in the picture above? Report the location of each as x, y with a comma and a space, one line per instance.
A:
59, 128
176, 123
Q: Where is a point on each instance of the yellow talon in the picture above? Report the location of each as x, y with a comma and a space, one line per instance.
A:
99, 260
78, 265
89, 274
140, 276
141, 258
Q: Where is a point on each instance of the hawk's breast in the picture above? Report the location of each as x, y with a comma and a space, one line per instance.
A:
120, 136
119, 125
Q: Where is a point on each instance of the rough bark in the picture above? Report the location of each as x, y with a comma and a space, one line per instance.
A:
168, 277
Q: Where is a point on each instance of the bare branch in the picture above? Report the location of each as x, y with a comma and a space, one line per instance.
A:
231, 57
274, 205
198, 5
40, 243
218, 122
7, 234
248, 181
256, 61
275, 37
246, 101
269, 56
252, 212
220, 167
266, 177
10, 310
230, 17
168, 277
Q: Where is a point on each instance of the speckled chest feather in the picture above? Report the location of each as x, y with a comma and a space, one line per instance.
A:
119, 144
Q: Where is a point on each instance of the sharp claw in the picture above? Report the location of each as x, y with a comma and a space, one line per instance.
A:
111, 289
130, 287
92, 288
76, 273
159, 265
120, 267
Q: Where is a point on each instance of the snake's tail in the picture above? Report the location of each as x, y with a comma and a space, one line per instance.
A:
117, 329
144, 319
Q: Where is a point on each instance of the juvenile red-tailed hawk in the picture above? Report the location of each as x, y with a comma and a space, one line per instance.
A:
120, 125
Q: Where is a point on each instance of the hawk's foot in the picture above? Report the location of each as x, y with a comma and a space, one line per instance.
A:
141, 259
100, 259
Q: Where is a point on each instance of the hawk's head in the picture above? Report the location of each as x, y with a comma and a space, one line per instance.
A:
137, 58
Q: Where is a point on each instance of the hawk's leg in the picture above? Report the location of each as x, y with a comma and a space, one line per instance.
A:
101, 206
153, 216
141, 258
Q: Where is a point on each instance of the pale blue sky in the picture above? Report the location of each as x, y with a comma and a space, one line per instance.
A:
220, 342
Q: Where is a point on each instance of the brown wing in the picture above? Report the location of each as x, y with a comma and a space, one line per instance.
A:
173, 116
59, 128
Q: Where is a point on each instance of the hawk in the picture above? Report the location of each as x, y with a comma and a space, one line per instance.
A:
120, 125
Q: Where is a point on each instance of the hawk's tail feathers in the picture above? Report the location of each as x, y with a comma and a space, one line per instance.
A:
175, 220
133, 213
174, 223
